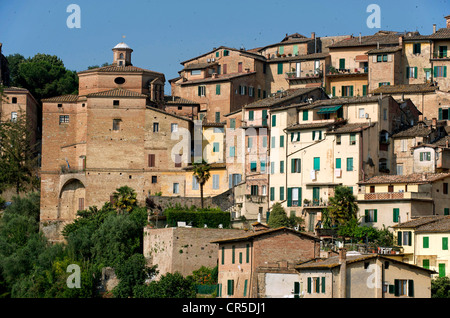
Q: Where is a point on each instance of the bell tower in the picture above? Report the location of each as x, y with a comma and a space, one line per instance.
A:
122, 54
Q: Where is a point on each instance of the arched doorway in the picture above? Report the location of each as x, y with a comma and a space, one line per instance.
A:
71, 199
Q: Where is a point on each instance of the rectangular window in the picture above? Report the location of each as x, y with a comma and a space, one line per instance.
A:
440, 71
173, 127
116, 103
273, 142
218, 89
253, 166
264, 141
441, 269
281, 193
426, 263
216, 146
272, 167
232, 123
305, 114
416, 48
317, 135
202, 90
155, 127
411, 72
370, 215
195, 184
226, 52
295, 165
426, 242
272, 194
341, 64
230, 285
247, 253
395, 214
352, 139
316, 165
349, 164
251, 115
425, 156
274, 120
215, 180
445, 188
63, 119
176, 188
445, 243
262, 166
338, 163
282, 166
154, 179
151, 160
280, 68
233, 151
13, 117
217, 117
281, 141
254, 190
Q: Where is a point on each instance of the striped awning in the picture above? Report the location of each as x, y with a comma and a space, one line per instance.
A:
329, 110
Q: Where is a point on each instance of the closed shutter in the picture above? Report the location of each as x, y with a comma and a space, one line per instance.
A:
296, 290
281, 193
305, 115
396, 287
407, 72
274, 120
272, 194
218, 89
333, 90
396, 213
245, 287
230, 288
366, 216
338, 163
435, 71
409, 238
426, 242
445, 71
151, 160
375, 215
282, 141
264, 117
280, 68
440, 113
232, 123
351, 90
426, 263
445, 243
316, 163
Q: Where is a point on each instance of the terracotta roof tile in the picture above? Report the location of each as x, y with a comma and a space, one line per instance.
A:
218, 78
62, 99
178, 100
381, 37
415, 178
280, 97
409, 88
120, 69
264, 232
443, 33
117, 92
440, 225
418, 221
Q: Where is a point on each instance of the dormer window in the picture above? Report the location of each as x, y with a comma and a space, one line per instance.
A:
119, 80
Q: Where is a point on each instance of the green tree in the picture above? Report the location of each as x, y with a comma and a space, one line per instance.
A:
440, 287
168, 286
202, 174
14, 60
278, 216
43, 75
342, 207
18, 160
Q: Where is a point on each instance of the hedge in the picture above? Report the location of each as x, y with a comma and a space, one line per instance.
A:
198, 217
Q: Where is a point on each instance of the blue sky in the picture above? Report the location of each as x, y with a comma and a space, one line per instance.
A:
165, 33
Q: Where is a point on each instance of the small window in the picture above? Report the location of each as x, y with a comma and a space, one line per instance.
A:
13, 117
173, 127
254, 190
14, 100
116, 102
196, 72
154, 179
116, 124
338, 139
155, 127
176, 188
64, 119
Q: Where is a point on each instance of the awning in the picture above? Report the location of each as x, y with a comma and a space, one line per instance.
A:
329, 110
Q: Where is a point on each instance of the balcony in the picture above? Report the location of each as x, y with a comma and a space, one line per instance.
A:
311, 76
360, 71
394, 196
315, 203
440, 56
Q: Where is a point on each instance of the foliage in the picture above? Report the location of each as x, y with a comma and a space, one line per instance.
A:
212, 217
342, 207
353, 229
168, 286
440, 287
18, 162
124, 199
43, 75
205, 275
132, 272
278, 216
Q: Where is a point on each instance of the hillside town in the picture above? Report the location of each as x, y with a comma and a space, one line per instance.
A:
314, 167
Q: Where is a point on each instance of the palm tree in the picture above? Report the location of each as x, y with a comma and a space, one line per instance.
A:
342, 207
124, 199
202, 174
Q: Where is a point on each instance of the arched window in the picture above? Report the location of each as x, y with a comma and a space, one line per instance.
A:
121, 55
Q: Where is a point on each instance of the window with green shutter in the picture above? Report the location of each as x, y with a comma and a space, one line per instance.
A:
232, 123
233, 250
264, 141
349, 164
296, 290
218, 89
280, 68
342, 63
223, 255
230, 287
216, 147
274, 120
247, 254
323, 284
217, 115
316, 165
281, 141
272, 194
264, 117
416, 48
295, 49
364, 90
426, 242
426, 263
282, 166
305, 114
309, 285
399, 238
272, 142
445, 243
245, 287
396, 214
251, 115
441, 270
281, 193
338, 163
446, 211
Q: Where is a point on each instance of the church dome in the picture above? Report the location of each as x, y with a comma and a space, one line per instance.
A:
122, 45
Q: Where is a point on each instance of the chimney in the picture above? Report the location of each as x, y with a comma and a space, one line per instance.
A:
434, 28
447, 19
400, 41
313, 35
360, 39
343, 273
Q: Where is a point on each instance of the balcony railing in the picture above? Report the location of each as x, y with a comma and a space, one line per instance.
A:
440, 55
311, 75
394, 195
347, 71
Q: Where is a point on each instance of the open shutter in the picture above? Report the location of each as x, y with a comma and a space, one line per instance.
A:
399, 238
397, 287
445, 71
366, 216
309, 285
296, 289
396, 214
415, 72
410, 288
409, 238
351, 90
323, 284
375, 215
289, 197
407, 72
435, 71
